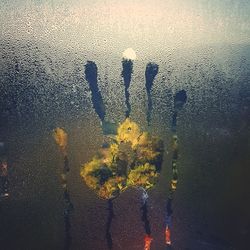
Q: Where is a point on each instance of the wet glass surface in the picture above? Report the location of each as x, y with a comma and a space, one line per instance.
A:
190, 77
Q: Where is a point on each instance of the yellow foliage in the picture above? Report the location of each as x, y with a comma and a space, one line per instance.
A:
143, 175
128, 131
148, 148
61, 138
90, 180
143, 139
111, 188
109, 173
109, 153
90, 166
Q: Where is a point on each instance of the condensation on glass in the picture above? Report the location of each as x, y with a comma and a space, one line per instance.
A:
72, 71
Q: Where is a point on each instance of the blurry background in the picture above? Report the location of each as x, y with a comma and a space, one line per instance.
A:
200, 46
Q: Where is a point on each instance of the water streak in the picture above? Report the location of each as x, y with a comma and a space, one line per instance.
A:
150, 74
91, 72
108, 224
127, 70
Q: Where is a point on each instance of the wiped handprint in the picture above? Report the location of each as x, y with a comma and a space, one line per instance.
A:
132, 158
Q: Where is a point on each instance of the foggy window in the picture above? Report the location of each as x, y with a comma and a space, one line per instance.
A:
124, 124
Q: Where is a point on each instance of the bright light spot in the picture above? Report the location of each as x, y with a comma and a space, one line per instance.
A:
129, 54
